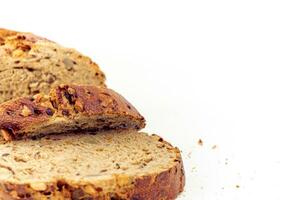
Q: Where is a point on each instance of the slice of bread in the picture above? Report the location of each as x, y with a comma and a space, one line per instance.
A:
30, 64
103, 166
68, 108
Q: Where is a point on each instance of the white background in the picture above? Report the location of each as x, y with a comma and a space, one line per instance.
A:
223, 71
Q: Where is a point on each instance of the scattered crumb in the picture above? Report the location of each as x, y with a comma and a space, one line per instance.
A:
194, 169
189, 154
226, 161
214, 147
237, 186
200, 142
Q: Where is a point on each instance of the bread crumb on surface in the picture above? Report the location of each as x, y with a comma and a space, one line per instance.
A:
194, 169
226, 161
189, 154
237, 186
200, 142
214, 147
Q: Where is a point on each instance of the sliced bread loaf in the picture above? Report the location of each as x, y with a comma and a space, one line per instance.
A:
30, 64
106, 166
68, 108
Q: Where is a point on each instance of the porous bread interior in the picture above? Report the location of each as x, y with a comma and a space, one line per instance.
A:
45, 65
59, 124
84, 158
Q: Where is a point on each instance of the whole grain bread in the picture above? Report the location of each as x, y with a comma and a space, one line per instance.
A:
106, 166
68, 108
30, 64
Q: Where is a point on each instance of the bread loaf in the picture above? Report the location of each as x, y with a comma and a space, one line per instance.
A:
30, 64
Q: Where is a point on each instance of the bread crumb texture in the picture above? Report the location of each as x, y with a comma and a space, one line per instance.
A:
30, 64
111, 165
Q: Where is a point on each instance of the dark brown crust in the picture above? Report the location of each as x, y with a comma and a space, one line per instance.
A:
165, 185
68, 101
11, 119
91, 100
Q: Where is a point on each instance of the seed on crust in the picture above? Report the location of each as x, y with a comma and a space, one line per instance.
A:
71, 91
25, 111
68, 64
6, 135
78, 106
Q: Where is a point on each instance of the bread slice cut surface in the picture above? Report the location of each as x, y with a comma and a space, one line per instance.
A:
111, 165
68, 108
30, 64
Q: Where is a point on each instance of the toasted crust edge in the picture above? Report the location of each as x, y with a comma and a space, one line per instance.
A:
15, 126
